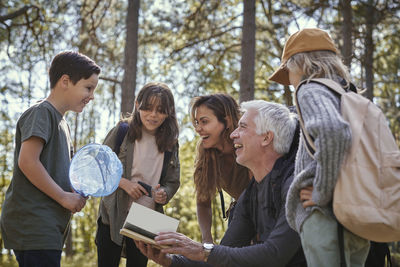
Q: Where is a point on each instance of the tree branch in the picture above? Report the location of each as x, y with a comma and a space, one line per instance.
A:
17, 13
110, 79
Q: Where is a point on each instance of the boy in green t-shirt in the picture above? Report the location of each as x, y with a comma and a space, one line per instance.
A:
39, 201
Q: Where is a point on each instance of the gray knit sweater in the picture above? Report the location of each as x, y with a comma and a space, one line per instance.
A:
320, 109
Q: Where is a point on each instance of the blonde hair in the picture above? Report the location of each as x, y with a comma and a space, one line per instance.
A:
319, 64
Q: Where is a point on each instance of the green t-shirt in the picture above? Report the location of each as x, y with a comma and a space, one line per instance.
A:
30, 219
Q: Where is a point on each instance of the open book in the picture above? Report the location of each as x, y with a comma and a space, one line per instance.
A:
143, 224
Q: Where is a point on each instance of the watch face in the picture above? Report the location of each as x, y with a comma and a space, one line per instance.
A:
208, 246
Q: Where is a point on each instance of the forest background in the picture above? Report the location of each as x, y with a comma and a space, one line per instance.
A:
196, 47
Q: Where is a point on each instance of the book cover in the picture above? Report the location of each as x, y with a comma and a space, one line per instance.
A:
143, 224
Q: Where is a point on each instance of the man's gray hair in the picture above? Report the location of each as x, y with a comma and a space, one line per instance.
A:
276, 118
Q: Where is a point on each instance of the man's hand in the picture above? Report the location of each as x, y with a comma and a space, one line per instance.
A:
180, 244
160, 196
306, 196
154, 254
133, 189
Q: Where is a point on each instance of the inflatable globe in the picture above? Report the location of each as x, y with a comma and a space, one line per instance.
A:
95, 170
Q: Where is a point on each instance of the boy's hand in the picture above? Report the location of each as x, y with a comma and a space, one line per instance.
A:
160, 196
73, 201
133, 189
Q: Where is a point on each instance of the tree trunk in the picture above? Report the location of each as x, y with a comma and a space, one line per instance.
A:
369, 50
131, 50
248, 51
347, 29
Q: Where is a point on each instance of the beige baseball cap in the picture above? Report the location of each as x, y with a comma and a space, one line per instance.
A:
306, 40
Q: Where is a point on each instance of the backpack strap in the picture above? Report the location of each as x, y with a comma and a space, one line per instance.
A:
388, 256
122, 130
341, 244
221, 196
333, 86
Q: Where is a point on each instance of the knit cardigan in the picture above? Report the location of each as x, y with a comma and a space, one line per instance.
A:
320, 109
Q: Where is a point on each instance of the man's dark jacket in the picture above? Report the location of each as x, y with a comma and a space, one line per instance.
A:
259, 234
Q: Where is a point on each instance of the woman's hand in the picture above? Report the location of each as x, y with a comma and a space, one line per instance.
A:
306, 196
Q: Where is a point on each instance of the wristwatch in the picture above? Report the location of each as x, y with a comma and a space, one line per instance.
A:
207, 247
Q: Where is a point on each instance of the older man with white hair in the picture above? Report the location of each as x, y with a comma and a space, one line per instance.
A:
266, 142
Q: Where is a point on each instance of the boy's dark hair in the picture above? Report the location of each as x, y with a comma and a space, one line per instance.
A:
74, 64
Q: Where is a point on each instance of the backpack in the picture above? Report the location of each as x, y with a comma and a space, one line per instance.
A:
366, 199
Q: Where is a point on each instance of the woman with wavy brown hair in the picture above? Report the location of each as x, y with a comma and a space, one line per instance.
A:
214, 118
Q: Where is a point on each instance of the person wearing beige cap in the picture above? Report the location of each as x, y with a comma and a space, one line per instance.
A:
311, 53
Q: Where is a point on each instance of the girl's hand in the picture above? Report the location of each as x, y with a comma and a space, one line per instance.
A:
133, 189
160, 196
306, 196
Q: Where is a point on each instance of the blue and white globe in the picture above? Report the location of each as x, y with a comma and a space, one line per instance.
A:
95, 170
